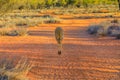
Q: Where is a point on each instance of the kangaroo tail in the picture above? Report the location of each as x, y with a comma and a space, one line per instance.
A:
59, 49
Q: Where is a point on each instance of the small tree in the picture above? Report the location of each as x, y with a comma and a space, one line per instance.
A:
74, 3
63, 2
49, 3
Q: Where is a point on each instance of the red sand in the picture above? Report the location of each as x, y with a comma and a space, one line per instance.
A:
84, 57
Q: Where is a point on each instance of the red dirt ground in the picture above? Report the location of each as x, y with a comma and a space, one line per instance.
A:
84, 57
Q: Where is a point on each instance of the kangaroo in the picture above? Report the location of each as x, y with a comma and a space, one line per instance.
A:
59, 34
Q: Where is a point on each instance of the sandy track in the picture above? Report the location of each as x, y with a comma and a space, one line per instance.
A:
84, 57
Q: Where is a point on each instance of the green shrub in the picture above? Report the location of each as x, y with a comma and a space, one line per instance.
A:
38, 4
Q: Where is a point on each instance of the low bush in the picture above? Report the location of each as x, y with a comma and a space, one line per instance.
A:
101, 32
113, 30
22, 32
106, 28
93, 29
101, 11
118, 36
4, 31
21, 21
47, 16
12, 69
13, 32
52, 20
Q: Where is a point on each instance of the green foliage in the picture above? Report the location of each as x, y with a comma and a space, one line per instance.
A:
6, 5
49, 3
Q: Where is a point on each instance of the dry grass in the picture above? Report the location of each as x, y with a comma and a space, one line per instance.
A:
82, 10
106, 28
25, 18
11, 69
15, 23
16, 31
79, 64
52, 20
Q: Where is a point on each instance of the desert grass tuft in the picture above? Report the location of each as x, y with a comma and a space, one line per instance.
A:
16, 31
106, 28
52, 20
11, 69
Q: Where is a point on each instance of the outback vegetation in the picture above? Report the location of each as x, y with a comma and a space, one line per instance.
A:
39, 18
106, 28
25, 13
14, 68
37, 4
70, 6
17, 22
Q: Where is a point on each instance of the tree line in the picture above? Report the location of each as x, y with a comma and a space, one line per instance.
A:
37, 4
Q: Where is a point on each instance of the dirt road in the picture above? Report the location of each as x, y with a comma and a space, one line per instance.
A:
84, 57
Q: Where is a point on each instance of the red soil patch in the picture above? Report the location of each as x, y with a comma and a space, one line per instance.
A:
84, 57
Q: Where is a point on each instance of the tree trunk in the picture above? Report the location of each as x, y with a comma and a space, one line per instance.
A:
119, 4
